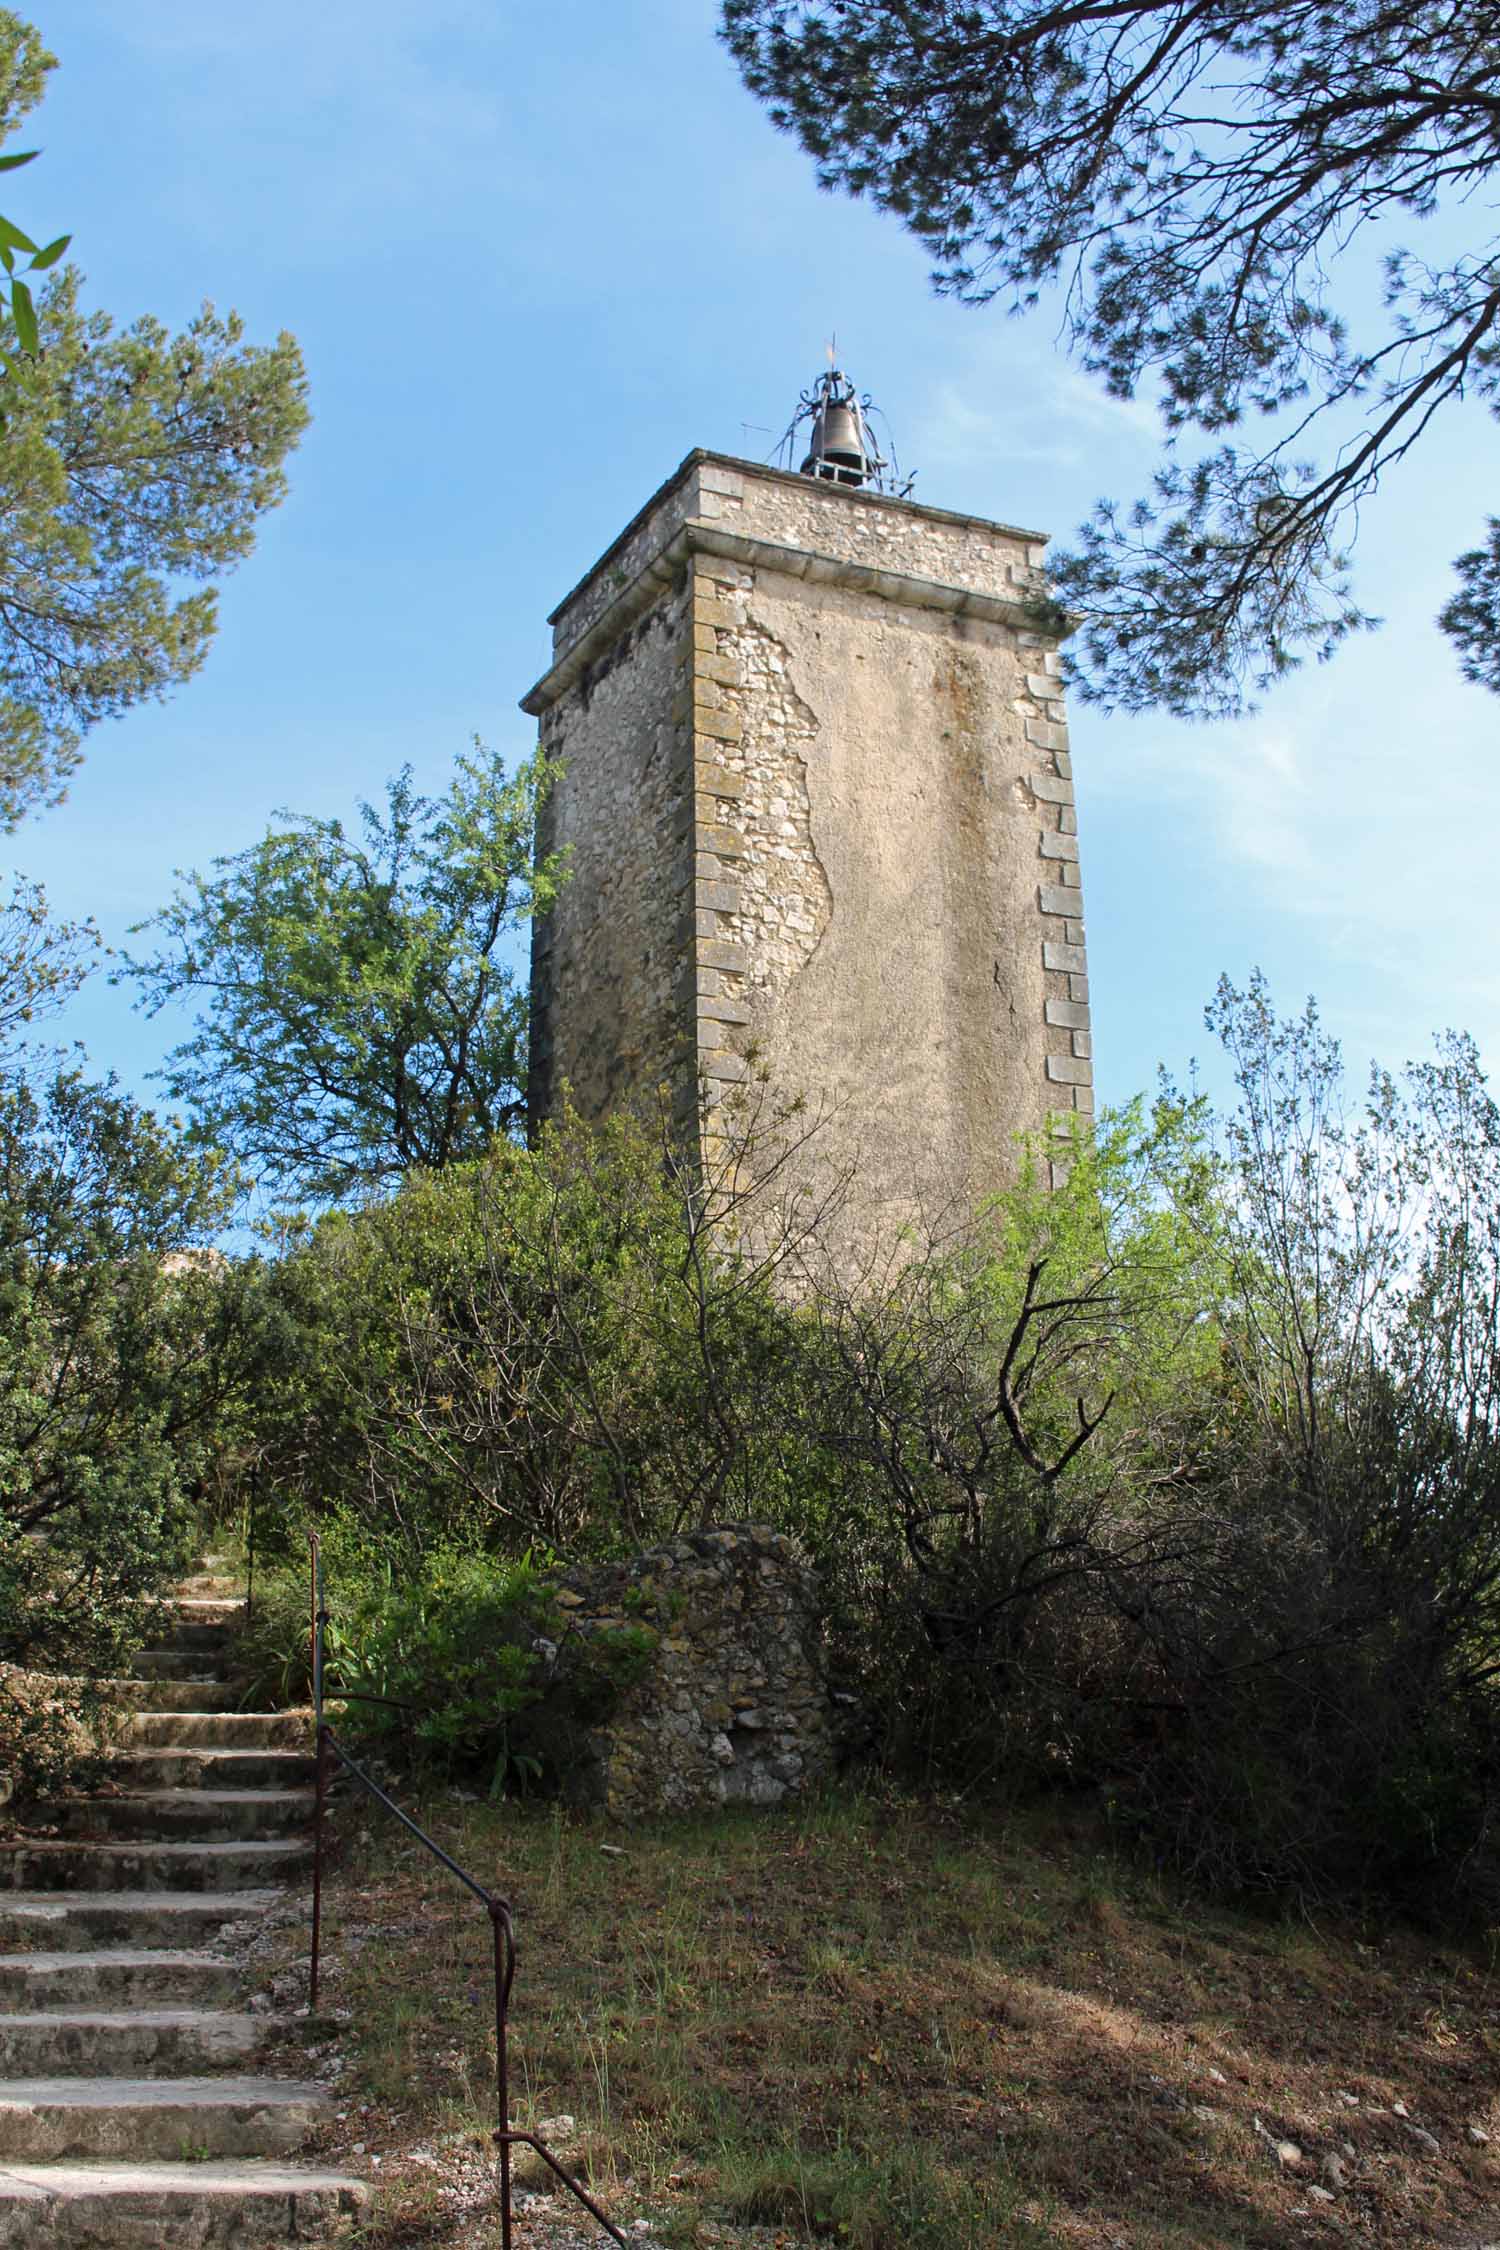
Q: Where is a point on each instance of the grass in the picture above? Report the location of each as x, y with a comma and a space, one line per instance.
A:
871, 2023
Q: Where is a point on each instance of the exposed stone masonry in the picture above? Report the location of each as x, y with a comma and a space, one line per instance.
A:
762, 896
728, 1704
817, 518
763, 840
617, 945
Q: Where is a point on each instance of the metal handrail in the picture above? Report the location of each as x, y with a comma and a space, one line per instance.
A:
252, 1511
502, 1918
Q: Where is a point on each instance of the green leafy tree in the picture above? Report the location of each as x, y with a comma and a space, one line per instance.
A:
130, 460
1472, 618
24, 64
359, 1014
95, 1193
1191, 175
106, 1329
42, 962
1317, 1632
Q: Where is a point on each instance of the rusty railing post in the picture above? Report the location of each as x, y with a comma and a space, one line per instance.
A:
316, 1620
252, 1510
503, 1932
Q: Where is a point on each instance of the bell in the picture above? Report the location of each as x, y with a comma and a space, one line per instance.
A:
837, 451
837, 437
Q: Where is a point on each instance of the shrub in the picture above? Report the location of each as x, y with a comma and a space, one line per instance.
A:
982, 1412
439, 1659
104, 1343
1185, 1481
537, 1350
442, 1663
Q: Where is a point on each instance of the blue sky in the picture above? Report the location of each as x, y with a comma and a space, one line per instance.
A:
533, 256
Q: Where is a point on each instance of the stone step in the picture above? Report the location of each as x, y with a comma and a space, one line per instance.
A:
129, 2115
173, 1664
212, 1768
195, 1694
165, 1814
63, 1922
207, 1639
207, 1612
119, 1977
61, 2118
208, 1729
129, 2042
210, 2206
66, 1865
208, 1585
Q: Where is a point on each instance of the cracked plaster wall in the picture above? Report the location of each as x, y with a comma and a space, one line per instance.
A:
920, 1015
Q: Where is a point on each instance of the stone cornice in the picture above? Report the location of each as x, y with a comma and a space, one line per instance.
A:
762, 472
663, 568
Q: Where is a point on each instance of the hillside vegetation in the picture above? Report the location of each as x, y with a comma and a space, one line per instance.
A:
1161, 1496
879, 2022
1178, 1481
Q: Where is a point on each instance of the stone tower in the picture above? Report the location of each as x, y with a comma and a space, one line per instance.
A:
819, 803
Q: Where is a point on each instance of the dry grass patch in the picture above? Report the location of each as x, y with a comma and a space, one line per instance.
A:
869, 2023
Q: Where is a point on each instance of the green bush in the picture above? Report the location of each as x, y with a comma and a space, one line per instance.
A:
1183, 1483
533, 1351
108, 1342
438, 1660
453, 1667
1180, 1480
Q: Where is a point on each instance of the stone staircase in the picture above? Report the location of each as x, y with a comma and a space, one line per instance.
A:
131, 2113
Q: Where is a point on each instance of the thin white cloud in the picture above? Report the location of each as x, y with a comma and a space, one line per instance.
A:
1015, 399
1360, 806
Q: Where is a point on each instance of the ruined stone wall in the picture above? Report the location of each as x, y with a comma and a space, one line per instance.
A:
725, 1701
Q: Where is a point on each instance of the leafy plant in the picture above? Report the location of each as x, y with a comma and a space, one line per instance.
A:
536, 1349
24, 63
1192, 180
1180, 1480
360, 1017
104, 1412
42, 962
134, 460
438, 1658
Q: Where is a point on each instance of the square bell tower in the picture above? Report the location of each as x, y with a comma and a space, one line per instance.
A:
819, 805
